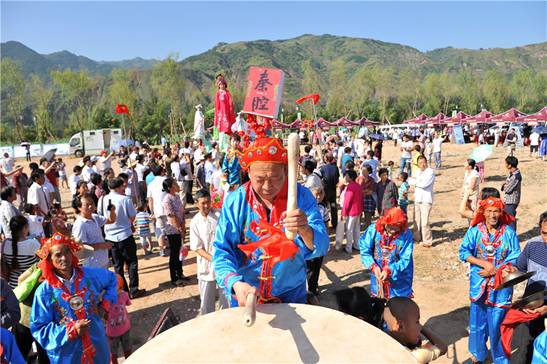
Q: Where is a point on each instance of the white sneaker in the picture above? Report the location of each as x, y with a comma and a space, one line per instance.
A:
337, 247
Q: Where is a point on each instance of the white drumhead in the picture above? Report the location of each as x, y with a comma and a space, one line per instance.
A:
282, 333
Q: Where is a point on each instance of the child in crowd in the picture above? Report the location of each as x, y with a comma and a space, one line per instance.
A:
118, 325
202, 236
390, 167
403, 191
59, 219
402, 318
35, 222
62, 173
142, 224
314, 265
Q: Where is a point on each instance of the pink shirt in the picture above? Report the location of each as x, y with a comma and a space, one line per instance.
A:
353, 200
118, 322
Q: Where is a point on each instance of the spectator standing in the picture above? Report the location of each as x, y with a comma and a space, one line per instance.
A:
512, 188
386, 192
174, 229
407, 146
74, 178
155, 195
120, 234
437, 146
330, 176
352, 210
423, 200
7, 209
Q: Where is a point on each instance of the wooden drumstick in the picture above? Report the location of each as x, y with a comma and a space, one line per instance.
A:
293, 154
249, 315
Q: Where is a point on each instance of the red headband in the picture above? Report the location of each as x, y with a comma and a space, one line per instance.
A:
393, 216
56, 239
505, 218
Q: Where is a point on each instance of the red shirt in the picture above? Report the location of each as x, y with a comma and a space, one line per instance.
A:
353, 200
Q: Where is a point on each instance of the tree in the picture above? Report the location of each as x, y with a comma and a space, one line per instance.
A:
409, 93
468, 89
168, 84
122, 91
42, 97
495, 91
337, 103
13, 94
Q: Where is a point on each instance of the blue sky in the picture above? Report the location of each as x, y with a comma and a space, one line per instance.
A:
122, 30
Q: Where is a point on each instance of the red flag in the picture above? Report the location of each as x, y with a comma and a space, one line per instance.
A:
122, 109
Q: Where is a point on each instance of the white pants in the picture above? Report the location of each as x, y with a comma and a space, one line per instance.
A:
340, 232
422, 230
353, 229
208, 295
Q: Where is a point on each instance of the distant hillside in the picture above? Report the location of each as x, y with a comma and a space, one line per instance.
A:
32, 62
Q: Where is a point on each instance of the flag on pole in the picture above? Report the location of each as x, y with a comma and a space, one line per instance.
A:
122, 109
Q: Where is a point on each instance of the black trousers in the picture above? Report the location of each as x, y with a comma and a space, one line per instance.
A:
314, 267
188, 185
535, 327
333, 212
175, 265
125, 251
24, 340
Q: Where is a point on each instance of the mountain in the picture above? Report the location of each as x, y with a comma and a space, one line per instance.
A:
32, 62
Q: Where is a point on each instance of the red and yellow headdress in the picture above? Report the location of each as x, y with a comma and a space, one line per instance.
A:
393, 216
505, 218
48, 272
263, 149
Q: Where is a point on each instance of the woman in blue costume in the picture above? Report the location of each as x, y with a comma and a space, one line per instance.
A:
65, 316
264, 200
386, 250
489, 244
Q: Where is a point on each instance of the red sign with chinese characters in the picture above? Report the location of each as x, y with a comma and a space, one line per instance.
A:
264, 90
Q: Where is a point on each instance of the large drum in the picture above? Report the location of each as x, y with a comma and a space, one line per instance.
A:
282, 333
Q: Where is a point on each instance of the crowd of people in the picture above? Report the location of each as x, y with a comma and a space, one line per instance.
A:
74, 274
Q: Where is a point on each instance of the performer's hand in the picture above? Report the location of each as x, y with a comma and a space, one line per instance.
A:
488, 270
507, 270
296, 221
82, 326
542, 310
383, 275
242, 290
377, 272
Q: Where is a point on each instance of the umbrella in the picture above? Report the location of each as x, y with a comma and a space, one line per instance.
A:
376, 136
481, 153
541, 129
50, 154
25, 144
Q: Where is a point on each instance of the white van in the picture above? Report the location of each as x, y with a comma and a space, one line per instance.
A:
94, 141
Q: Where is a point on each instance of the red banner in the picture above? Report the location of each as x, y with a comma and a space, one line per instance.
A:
264, 90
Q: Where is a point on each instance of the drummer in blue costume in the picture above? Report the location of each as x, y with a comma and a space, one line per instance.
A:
65, 313
489, 245
386, 249
264, 200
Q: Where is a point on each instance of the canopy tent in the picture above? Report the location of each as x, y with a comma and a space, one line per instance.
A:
534, 119
366, 122
483, 117
509, 116
440, 118
418, 120
322, 123
460, 117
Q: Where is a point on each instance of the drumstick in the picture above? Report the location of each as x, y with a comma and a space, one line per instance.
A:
293, 151
249, 315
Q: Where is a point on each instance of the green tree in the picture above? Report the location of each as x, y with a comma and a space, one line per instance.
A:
12, 94
42, 97
337, 103
496, 91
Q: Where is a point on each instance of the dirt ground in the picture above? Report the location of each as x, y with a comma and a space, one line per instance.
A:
440, 283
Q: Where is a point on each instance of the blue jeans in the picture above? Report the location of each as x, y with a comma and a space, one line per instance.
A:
484, 324
404, 162
437, 160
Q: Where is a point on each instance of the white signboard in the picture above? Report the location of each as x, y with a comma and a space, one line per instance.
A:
8, 150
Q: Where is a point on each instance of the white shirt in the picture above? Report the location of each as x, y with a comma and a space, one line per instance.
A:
7, 164
534, 139
437, 142
423, 183
37, 196
73, 183
35, 227
202, 236
104, 163
175, 171
155, 190
406, 145
140, 169
89, 232
7, 211
87, 171
133, 156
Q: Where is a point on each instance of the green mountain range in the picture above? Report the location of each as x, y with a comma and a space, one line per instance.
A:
290, 55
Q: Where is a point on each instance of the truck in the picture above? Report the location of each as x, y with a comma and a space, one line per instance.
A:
95, 141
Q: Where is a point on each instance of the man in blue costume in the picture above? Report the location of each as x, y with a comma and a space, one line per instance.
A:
65, 313
264, 199
230, 166
489, 245
386, 249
